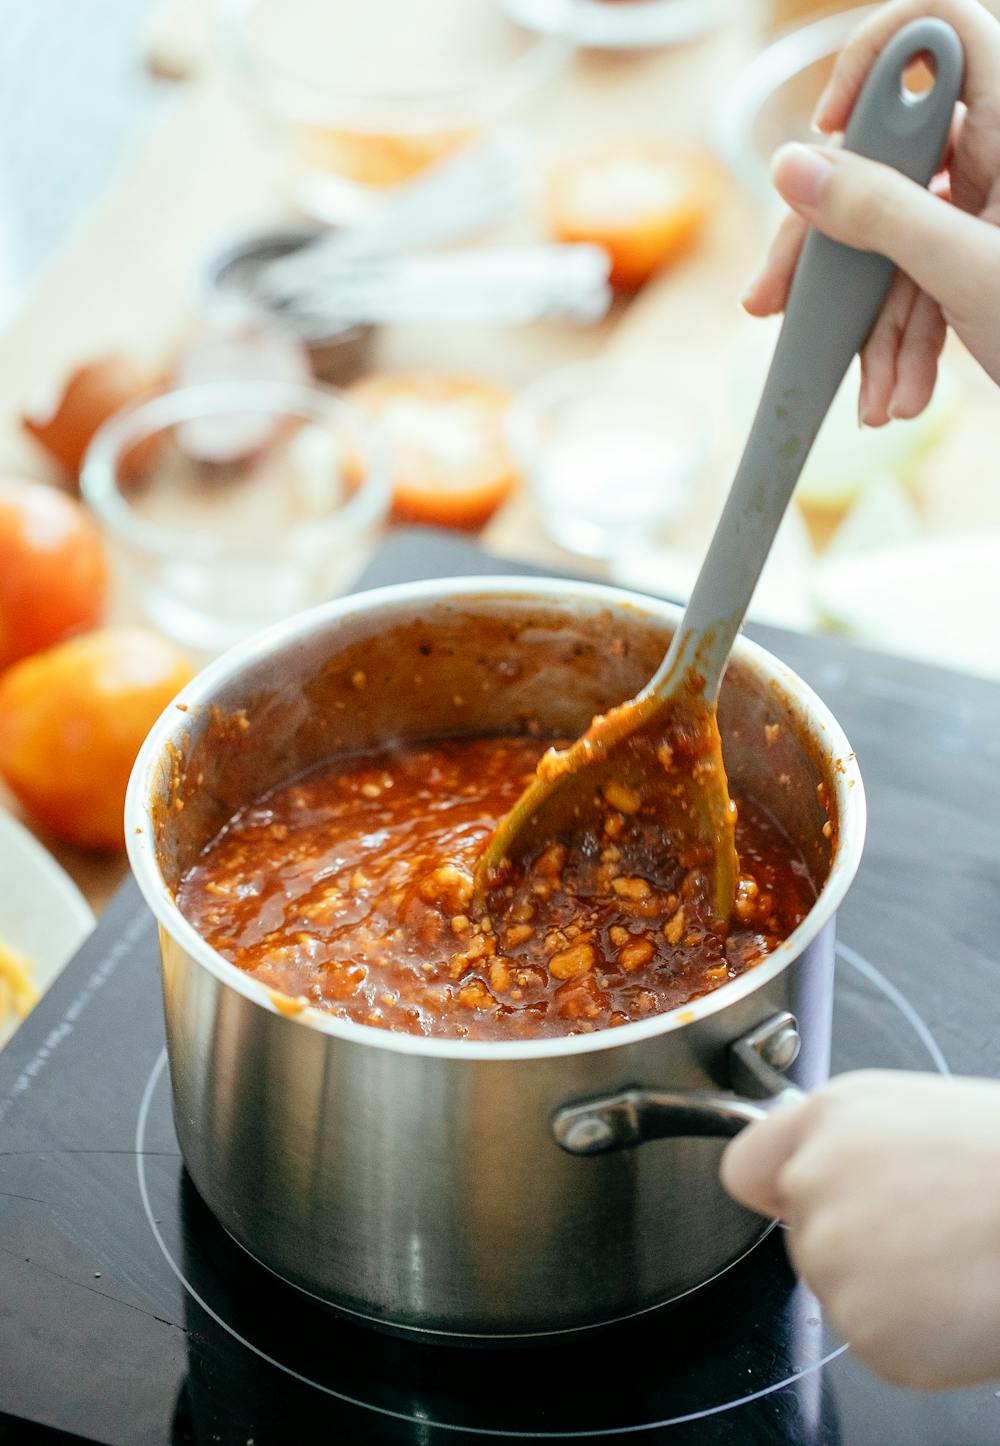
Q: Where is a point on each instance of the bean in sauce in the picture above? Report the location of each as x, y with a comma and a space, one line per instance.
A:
350, 888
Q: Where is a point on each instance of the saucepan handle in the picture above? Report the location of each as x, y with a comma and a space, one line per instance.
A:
633, 1116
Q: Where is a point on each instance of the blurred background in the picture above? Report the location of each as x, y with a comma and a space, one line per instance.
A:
330, 268
279, 277
513, 232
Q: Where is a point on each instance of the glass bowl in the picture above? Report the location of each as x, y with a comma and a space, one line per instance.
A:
620, 24
771, 100
609, 453
230, 505
364, 98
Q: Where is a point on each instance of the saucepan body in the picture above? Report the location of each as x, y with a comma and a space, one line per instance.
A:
451, 1187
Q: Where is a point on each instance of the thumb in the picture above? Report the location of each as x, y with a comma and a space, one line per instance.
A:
947, 252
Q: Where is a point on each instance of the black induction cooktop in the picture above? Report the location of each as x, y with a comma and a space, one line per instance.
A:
128, 1317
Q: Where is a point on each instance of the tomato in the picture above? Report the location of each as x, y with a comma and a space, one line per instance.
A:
645, 203
53, 574
451, 466
71, 723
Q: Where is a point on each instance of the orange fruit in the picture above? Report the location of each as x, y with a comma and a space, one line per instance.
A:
646, 204
53, 573
378, 160
72, 720
451, 466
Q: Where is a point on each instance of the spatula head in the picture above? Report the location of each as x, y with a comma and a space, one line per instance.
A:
651, 775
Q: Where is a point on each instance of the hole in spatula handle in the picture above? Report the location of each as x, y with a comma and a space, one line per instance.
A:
918, 77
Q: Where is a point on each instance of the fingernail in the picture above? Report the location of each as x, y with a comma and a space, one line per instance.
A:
801, 174
824, 100
747, 294
863, 404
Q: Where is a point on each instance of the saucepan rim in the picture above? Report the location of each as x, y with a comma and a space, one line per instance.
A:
173, 724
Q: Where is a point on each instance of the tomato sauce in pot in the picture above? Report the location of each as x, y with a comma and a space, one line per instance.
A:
350, 889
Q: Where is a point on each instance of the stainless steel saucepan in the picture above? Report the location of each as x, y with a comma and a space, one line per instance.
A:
478, 1189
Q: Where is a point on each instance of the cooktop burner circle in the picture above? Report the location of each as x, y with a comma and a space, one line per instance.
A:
808, 1349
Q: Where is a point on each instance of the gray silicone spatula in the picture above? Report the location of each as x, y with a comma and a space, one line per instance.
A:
660, 754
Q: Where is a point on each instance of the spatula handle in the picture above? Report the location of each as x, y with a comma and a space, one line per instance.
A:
836, 295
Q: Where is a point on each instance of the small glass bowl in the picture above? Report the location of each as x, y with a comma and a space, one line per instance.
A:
366, 98
609, 454
233, 504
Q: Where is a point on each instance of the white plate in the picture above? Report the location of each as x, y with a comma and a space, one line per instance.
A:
934, 599
43, 916
781, 597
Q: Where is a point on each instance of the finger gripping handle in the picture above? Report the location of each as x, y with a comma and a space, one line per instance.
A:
900, 130
835, 297
836, 288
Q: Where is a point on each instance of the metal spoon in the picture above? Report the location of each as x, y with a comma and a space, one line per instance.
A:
480, 185
659, 756
501, 285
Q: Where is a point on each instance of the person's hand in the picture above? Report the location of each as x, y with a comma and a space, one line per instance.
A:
890, 1185
946, 242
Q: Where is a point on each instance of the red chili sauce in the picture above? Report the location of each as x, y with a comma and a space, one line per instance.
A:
350, 889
